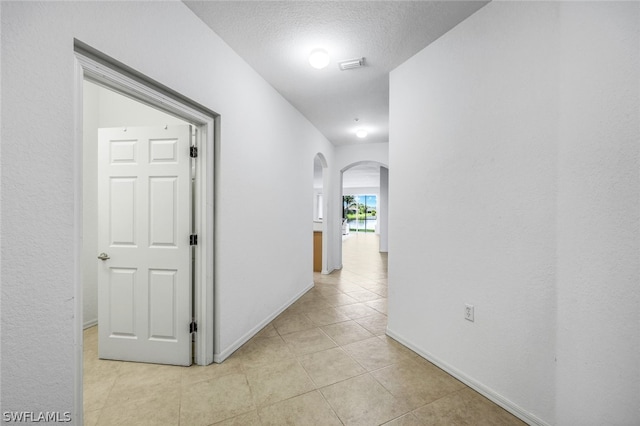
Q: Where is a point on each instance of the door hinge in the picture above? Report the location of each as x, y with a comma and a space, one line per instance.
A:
193, 239
193, 327
193, 153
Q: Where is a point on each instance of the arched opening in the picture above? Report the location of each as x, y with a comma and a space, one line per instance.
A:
365, 201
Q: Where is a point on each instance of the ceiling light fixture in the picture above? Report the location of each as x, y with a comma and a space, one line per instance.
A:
361, 133
319, 58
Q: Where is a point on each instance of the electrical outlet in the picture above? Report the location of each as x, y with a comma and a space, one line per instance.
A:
468, 312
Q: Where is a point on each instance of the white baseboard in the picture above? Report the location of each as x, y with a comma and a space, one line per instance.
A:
88, 324
503, 402
221, 356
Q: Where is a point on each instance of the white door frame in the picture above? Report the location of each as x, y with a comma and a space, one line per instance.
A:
120, 80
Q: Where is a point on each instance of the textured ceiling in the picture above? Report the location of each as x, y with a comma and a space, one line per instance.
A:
275, 38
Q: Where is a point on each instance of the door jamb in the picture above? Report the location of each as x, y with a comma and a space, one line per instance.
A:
120, 79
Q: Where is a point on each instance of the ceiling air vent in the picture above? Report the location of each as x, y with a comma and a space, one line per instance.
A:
351, 63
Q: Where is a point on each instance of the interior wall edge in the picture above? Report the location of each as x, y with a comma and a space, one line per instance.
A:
227, 352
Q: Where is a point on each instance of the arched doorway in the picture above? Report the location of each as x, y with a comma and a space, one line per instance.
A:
365, 199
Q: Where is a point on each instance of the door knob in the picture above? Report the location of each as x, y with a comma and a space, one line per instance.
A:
103, 256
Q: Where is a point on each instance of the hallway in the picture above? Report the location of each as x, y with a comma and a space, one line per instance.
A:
324, 361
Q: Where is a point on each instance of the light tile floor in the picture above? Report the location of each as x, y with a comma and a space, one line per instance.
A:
324, 361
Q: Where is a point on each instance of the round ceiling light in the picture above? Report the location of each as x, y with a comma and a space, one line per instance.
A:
319, 58
361, 133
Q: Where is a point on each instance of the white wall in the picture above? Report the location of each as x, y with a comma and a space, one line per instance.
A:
516, 137
598, 262
103, 108
348, 155
361, 190
259, 269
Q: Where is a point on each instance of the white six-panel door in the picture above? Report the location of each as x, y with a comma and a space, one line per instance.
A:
144, 219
